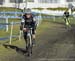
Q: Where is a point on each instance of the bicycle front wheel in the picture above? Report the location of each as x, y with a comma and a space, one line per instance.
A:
29, 42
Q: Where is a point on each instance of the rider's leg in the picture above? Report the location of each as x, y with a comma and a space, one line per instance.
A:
25, 38
67, 22
33, 36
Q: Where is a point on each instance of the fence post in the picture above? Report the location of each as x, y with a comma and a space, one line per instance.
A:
11, 32
20, 35
54, 18
40, 17
6, 24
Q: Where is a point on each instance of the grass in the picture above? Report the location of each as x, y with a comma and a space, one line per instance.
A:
10, 9
54, 9
59, 19
6, 9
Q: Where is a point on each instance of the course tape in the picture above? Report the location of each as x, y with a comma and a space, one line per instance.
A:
11, 17
5, 38
15, 23
11, 12
16, 12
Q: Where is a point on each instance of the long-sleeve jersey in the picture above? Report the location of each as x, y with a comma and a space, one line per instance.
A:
28, 22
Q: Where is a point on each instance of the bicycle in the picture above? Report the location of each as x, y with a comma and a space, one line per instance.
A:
29, 41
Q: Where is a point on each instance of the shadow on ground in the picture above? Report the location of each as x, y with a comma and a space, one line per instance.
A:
17, 49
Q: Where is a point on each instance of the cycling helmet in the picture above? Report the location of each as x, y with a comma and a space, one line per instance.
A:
28, 11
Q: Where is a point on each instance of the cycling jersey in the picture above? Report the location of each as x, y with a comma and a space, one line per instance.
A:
28, 22
66, 14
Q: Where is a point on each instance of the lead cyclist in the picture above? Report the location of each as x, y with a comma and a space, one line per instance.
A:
28, 20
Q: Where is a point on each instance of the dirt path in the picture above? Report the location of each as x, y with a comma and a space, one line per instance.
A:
54, 44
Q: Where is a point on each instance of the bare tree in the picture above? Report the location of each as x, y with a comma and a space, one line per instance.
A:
1, 2
17, 3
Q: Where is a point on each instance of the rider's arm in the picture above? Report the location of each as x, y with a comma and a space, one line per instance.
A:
64, 16
68, 14
35, 22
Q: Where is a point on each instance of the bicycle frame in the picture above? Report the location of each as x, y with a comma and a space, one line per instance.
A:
29, 37
29, 34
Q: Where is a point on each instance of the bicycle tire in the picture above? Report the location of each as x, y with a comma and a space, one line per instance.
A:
29, 41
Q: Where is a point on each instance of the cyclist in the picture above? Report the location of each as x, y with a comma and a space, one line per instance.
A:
66, 18
28, 20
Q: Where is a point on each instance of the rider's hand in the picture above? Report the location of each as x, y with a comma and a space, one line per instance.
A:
24, 29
